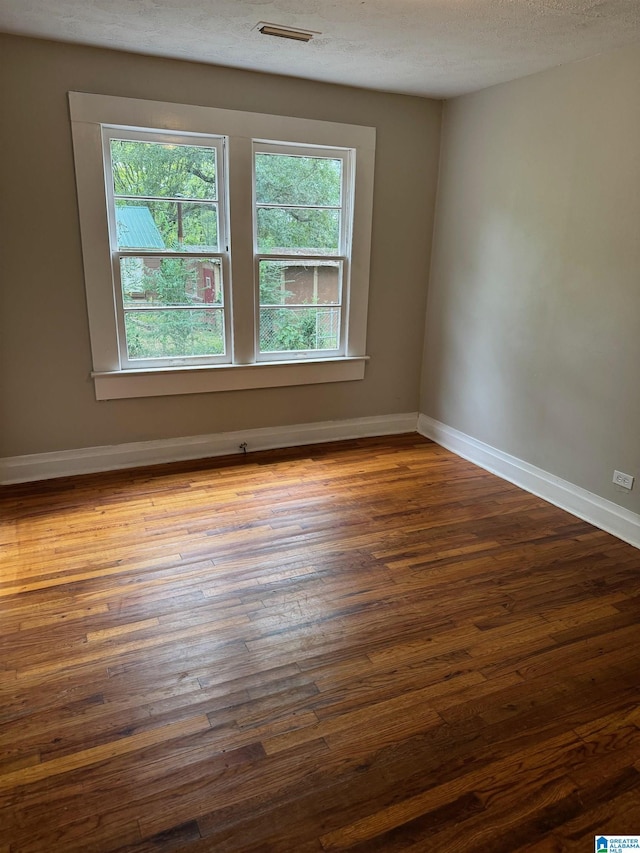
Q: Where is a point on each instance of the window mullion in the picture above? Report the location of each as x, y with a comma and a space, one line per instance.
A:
240, 166
279, 256
165, 253
174, 198
286, 206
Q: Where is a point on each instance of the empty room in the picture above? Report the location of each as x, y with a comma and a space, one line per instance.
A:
319, 426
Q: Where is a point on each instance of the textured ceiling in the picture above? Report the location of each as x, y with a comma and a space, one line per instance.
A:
436, 48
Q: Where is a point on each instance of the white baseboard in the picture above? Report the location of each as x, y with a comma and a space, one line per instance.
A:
89, 460
579, 502
585, 505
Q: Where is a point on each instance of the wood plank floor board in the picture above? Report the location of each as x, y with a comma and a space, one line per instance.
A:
369, 645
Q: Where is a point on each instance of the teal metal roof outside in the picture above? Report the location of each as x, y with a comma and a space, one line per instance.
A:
136, 228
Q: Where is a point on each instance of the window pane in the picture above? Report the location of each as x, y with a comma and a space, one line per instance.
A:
162, 169
298, 282
286, 179
171, 281
295, 329
284, 230
179, 226
174, 334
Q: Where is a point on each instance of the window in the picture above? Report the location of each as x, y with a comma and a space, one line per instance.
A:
167, 226
221, 249
302, 240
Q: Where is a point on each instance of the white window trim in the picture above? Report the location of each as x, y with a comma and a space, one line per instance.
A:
88, 114
341, 255
221, 253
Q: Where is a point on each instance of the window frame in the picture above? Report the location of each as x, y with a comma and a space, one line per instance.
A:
116, 132
343, 254
89, 114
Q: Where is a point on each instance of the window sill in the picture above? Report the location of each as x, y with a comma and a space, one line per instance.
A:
157, 382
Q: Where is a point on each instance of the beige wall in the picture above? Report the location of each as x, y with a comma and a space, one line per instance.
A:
47, 400
533, 322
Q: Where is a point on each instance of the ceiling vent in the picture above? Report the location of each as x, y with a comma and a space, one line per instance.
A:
285, 32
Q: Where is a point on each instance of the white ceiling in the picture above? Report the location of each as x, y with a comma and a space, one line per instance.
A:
436, 48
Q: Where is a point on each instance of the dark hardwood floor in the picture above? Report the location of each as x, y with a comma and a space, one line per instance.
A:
365, 646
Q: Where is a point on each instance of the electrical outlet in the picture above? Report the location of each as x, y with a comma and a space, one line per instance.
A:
624, 480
